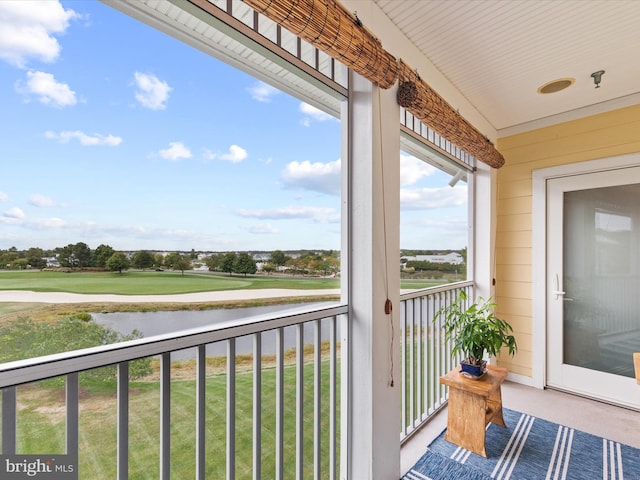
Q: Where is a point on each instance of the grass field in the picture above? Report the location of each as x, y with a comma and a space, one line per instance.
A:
42, 428
165, 283
150, 282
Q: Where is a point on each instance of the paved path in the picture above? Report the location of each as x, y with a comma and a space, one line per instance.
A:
226, 295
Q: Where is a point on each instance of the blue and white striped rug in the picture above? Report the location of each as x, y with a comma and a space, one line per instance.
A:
530, 448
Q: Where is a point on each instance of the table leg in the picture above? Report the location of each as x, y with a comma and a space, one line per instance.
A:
466, 421
495, 402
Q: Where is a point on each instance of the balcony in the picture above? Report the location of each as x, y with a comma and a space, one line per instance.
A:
292, 425
263, 414
271, 408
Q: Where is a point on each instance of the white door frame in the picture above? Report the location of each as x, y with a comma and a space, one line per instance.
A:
539, 249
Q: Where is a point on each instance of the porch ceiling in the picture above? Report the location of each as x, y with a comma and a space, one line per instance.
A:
498, 53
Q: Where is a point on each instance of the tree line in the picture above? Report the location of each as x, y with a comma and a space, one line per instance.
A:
315, 263
80, 256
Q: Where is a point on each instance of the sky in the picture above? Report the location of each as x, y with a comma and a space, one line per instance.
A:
114, 133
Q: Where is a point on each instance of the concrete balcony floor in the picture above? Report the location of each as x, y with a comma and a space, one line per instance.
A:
601, 419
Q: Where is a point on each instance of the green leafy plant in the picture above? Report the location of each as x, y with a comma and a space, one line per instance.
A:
475, 329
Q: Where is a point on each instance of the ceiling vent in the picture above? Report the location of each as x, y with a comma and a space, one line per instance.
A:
556, 85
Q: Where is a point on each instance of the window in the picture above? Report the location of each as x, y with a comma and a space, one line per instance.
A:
434, 206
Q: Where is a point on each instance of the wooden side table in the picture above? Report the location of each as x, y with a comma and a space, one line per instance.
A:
472, 405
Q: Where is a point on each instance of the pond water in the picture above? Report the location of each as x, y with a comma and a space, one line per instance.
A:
159, 323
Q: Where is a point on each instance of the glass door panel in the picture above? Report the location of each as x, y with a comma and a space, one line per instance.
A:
601, 278
593, 284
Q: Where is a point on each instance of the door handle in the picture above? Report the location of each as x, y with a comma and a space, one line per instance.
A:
558, 292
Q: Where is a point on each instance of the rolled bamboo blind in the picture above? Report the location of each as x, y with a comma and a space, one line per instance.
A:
330, 27
422, 101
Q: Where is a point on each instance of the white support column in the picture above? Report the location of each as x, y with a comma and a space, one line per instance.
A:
372, 156
484, 236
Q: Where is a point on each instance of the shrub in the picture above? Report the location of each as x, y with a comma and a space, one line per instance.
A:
25, 338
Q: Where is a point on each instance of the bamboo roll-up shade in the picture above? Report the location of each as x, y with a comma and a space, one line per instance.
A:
327, 25
422, 101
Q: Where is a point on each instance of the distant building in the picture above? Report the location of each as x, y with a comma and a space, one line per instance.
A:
454, 258
52, 262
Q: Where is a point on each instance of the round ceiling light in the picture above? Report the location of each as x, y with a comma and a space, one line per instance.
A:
556, 85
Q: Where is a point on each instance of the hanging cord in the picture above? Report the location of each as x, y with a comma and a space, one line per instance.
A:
388, 305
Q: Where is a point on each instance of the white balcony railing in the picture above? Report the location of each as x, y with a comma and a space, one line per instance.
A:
301, 439
425, 356
289, 367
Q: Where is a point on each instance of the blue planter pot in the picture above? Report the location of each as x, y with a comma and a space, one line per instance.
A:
473, 371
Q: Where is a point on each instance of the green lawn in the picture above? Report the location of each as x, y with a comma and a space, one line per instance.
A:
149, 283
41, 425
165, 283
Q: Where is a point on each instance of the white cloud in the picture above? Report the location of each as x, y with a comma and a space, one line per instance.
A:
317, 176
151, 92
263, 92
313, 113
236, 154
14, 212
176, 151
84, 139
38, 200
47, 89
263, 229
423, 198
317, 214
3, 197
413, 169
27, 30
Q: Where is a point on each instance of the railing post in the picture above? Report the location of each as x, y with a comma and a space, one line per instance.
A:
165, 417
257, 406
122, 456
9, 429
333, 369
299, 402
403, 365
201, 404
73, 389
279, 404
231, 409
317, 399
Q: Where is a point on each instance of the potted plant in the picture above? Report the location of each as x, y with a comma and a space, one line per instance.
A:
476, 332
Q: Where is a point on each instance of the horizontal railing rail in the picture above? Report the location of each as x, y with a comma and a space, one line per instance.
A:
425, 355
41, 368
293, 416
